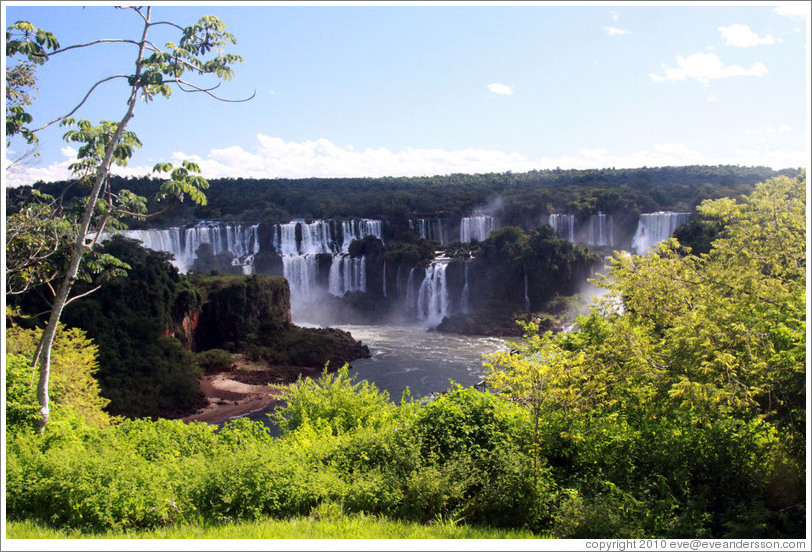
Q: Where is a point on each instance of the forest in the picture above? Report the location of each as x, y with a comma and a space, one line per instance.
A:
675, 408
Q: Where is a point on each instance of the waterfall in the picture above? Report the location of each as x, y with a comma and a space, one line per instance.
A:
601, 230
564, 225
526, 294
298, 242
347, 274
183, 243
466, 292
384, 278
476, 228
301, 271
411, 301
357, 229
428, 229
654, 228
432, 297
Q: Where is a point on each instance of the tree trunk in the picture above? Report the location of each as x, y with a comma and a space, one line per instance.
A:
80, 247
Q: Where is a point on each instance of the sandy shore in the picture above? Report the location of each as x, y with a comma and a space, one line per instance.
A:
243, 389
229, 398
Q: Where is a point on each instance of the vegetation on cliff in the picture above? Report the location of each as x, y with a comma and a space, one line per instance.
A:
676, 409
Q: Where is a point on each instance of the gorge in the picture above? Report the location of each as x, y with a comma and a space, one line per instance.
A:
315, 257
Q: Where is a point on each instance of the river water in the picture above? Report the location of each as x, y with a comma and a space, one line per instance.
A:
424, 361
411, 356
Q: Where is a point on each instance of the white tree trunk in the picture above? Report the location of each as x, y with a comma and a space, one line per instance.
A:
80, 247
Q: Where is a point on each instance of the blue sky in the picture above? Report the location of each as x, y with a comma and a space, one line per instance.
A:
427, 88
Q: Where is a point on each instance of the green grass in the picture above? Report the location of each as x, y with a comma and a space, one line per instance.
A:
332, 527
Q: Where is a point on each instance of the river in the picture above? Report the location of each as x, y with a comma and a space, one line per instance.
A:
410, 356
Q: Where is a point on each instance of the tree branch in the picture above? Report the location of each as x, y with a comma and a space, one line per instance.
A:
195, 88
85, 294
75, 109
100, 41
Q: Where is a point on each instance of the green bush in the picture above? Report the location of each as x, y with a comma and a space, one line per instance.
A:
214, 360
334, 400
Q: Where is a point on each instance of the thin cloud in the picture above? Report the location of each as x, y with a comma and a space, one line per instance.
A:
501, 89
795, 9
614, 31
742, 36
706, 67
273, 157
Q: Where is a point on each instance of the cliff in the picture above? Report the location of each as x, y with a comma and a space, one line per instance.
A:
251, 315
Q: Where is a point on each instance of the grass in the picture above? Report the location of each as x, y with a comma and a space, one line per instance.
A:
330, 527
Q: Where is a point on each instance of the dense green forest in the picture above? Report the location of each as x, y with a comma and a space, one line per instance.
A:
520, 197
676, 408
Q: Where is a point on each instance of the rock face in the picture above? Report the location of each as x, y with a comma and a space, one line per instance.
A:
237, 309
251, 314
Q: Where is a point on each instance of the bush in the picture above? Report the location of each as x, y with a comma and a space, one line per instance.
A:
335, 401
213, 361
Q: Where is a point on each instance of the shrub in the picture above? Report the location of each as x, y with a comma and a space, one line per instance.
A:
334, 400
213, 360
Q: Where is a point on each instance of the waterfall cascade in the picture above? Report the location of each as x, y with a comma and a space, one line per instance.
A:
564, 225
299, 243
432, 297
183, 243
601, 230
653, 228
429, 229
476, 228
347, 274
465, 295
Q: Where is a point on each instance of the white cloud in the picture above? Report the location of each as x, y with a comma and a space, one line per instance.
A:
706, 67
712, 98
273, 157
502, 89
794, 9
614, 31
742, 36
614, 15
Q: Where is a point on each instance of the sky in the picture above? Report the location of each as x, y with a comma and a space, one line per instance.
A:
423, 89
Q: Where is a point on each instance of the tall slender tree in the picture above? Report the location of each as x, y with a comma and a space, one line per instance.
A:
155, 71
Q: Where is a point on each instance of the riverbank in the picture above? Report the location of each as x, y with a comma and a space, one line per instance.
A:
244, 388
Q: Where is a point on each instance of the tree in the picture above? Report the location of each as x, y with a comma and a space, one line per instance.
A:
155, 71
684, 389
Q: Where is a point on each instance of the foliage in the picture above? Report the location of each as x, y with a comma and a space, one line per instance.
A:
334, 401
315, 525
199, 52
676, 399
214, 360
143, 371
673, 409
74, 383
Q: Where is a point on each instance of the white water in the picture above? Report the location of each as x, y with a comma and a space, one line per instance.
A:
564, 225
347, 274
429, 229
654, 228
183, 243
601, 230
300, 261
432, 297
476, 228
